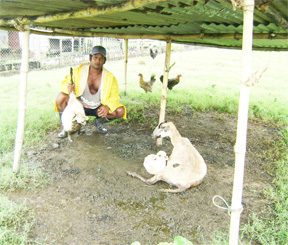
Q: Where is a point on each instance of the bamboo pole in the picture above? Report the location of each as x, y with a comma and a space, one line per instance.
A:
164, 87
188, 37
22, 101
126, 64
273, 15
240, 146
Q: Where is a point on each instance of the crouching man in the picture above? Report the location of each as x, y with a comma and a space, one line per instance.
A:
96, 88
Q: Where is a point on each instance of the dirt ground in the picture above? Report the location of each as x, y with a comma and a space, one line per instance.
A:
91, 200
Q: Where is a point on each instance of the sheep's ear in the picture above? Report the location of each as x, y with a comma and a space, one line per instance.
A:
167, 128
161, 124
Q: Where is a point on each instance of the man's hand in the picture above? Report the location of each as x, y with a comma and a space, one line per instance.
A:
103, 111
71, 88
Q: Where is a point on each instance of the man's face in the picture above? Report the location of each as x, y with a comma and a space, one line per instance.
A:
97, 61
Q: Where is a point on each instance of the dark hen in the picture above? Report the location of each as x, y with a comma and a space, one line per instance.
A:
153, 53
172, 81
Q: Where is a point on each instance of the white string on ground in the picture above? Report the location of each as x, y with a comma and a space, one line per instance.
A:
228, 208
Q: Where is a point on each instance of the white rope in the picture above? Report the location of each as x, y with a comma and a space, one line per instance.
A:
228, 208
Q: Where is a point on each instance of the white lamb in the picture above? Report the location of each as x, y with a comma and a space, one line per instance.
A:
73, 116
155, 163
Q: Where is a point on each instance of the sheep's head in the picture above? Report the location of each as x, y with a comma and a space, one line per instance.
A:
162, 130
162, 155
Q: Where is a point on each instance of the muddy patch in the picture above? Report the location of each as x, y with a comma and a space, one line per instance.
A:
91, 200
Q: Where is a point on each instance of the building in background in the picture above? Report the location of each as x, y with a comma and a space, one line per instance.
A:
50, 51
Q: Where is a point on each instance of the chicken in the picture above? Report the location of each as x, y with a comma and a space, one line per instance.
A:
73, 116
147, 86
172, 81
155, 163
153, 52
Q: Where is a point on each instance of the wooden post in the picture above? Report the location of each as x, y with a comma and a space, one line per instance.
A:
126, 64
240, 146
22, 101
164, 87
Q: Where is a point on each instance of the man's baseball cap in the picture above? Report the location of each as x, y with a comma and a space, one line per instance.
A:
99, 50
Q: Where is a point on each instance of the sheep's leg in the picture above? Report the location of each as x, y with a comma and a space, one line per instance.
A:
78, 132
134, 175
69, 137
179, 189
150, 181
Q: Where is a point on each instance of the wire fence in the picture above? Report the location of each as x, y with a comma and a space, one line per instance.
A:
46, 52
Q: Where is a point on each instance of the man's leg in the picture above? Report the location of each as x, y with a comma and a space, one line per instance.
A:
99, 121
118, 113
61, 102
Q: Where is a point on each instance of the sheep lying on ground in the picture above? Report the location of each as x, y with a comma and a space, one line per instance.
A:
73, 116
155, 163
185, 167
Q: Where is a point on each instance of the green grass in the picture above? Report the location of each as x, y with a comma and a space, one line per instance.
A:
15, 222
210, 81
274, 229
27, 178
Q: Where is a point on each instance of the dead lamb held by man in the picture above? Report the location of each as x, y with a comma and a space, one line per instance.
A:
73, 116
185, 167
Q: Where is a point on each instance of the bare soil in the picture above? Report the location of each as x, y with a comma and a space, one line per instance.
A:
91, 200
